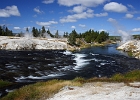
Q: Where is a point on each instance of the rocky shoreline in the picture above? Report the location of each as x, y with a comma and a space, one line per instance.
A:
132, 46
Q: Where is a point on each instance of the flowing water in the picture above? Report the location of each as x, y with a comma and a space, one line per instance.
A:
26, 67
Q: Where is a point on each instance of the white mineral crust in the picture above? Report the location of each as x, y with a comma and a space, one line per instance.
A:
22, 43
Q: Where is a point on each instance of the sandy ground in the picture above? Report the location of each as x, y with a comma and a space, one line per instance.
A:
99, 91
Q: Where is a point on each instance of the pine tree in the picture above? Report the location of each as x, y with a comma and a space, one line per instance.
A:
72, 38
56, 34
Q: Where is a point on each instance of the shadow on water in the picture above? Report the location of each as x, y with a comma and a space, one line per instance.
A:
26, 67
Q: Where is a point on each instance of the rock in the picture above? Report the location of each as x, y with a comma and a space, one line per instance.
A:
131, 46
22, 43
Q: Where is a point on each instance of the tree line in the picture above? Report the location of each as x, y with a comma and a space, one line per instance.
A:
88, 36
4, 31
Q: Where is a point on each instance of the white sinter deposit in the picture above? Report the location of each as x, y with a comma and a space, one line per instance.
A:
99, 91
131, 46
24, 43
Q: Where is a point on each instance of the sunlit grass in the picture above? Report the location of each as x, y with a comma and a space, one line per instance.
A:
44, 90
127, 77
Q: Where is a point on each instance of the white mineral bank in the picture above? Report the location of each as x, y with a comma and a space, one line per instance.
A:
132, 45
23, 43
99, 91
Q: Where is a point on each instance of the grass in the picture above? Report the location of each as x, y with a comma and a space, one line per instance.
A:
4, 83
44, 90
127, 77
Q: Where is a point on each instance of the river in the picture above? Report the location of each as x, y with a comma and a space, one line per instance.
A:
26, 67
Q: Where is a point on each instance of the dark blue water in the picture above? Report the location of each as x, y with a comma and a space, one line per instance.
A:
25, 67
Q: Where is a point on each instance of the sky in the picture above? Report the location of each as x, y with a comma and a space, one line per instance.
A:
67, 15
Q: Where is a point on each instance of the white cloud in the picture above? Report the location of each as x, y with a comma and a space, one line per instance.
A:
87, 3
129, 16
115, 7
78, 9
102, 30
46, 23
47, 1
73, 27
81, 25
136, 30
130, 6
9, 11
17, 28
112, 20
101, 14
138, 18
38, 10
75, 17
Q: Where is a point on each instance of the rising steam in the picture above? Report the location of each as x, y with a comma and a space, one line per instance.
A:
125, 36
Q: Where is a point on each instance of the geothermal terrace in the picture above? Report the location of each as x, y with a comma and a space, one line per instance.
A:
29, 43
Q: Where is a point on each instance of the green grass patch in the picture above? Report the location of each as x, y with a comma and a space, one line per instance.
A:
127, 77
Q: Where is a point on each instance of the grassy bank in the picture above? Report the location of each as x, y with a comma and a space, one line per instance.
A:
82, 44
4, 83
44, 90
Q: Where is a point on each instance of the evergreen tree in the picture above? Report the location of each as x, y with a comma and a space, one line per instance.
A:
27, 30
72, 38
4, 31
66, 34
103, 36
48, 31
43, 31
56, 34
35, 32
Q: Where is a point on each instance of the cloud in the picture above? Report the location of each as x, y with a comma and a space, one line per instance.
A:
138, 18
101, 14
47, 1
81, 25
73, 27
78, 9
130, 6
38, 10
129, 16
136, 30
17, 28
102, 30
73, 18
115, 7
9, 11
87, 3
46, 23
112, 20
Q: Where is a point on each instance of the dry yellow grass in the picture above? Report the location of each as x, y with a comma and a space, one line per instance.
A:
44, 90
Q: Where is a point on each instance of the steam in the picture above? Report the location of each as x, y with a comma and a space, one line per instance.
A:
28, 35
46, 35
125, 36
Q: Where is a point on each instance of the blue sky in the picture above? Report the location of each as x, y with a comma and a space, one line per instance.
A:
66, 15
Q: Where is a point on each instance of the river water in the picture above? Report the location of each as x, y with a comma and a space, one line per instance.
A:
26, 67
